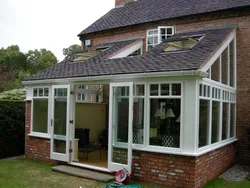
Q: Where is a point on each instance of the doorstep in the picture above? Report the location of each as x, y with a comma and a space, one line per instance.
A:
83, 173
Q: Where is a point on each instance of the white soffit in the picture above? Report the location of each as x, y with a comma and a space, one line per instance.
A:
124, 52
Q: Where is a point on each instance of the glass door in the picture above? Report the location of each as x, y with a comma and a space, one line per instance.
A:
59, 145
120, 126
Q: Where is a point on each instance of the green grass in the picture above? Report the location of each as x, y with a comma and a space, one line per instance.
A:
220, 183
25, 173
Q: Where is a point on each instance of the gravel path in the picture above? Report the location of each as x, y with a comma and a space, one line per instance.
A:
236, 173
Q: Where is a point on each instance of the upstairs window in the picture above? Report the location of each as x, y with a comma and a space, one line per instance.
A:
156, 36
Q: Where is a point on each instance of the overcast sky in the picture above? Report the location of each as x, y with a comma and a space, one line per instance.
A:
50, 24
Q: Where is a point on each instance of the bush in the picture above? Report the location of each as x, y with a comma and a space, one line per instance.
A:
12, 128
15, 94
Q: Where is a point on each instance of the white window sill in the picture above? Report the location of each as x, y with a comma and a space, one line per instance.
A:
177, 151
39, 135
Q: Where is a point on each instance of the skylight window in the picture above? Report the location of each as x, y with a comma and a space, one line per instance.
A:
85, 55
101, 49
185, 43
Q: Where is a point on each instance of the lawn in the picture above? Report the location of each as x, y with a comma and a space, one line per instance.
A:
24, 173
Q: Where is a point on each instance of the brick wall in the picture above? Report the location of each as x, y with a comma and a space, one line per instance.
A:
240, 17
35, 148
181, 171
119, 3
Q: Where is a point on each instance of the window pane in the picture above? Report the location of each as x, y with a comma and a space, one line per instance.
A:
150, 47
232, 68
164, 89
122, 114
46, 92
204, 123
40, 115
164, 122
150, 40
154, 89
232, 120
215, 72
176, 89
169, 31
224, 66
139, 90
35, 92
163, 31
138, 121
215, 121
225, 121
155, 40
163, 37
201, 87
150, 32
78, 96
40, 92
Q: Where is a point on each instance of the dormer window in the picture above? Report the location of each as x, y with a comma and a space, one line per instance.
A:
157, 35
136, 53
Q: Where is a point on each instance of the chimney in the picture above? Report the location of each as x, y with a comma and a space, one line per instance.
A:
121, 3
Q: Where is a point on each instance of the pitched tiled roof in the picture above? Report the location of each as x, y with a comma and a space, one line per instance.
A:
143, 11
152, 61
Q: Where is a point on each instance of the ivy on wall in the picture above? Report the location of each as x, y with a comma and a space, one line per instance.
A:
12, 128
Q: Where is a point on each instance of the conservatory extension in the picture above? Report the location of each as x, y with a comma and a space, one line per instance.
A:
178, 99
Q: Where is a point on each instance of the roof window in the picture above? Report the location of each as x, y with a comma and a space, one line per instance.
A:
184, 43
85, 55
101, 49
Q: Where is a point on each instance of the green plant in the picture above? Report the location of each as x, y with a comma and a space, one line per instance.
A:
12, 128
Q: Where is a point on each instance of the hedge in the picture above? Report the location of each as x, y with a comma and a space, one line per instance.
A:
12, 128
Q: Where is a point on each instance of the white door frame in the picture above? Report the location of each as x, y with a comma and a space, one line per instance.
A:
54, 155
112, 166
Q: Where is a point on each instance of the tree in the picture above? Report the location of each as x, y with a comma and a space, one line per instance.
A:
12, 58
75, 48
39, 60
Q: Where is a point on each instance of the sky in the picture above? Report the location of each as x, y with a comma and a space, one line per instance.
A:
50, 24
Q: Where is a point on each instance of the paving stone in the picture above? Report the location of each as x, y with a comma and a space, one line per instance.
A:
89, 174
236, 173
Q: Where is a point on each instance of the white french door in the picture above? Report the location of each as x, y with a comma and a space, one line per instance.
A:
59, 145
120, 126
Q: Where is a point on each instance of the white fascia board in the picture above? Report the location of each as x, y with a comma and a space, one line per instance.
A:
118, 77
217, 54
127, 51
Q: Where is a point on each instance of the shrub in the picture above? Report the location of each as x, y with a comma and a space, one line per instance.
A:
12, 128
15, 94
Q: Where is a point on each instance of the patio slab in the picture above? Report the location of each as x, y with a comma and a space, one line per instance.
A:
237, 173
83, 173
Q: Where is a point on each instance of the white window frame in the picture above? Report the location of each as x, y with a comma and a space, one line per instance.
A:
170, 96
39, 134
225, 48
85, 94
145, 112
227, 95
158, 35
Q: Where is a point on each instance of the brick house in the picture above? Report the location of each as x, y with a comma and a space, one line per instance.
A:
154, 91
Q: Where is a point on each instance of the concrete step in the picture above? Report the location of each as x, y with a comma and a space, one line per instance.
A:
79, 172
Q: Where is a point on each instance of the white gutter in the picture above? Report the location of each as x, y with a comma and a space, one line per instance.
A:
120, 77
